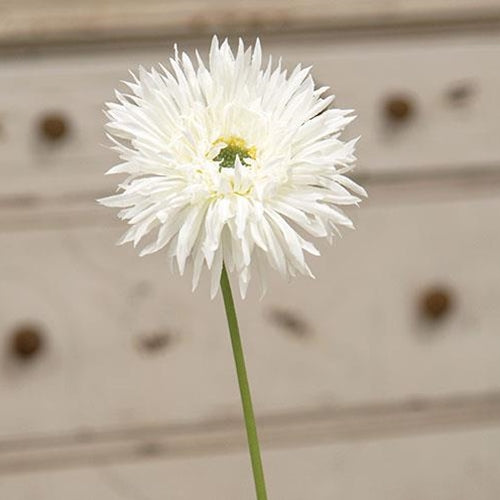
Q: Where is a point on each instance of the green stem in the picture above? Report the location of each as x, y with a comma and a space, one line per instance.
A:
246, 399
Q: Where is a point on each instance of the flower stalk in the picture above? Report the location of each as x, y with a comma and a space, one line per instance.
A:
246, 399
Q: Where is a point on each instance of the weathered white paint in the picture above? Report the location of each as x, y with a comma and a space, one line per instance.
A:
441, 136
55, 20
362, 339
443, 466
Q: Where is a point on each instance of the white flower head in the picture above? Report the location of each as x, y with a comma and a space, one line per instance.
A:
231, 162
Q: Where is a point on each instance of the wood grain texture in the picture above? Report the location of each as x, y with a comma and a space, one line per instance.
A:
57, 20
291, 429
452, 81
441, 466
352, 336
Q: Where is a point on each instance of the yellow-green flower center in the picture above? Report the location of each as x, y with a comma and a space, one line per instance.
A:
234, 147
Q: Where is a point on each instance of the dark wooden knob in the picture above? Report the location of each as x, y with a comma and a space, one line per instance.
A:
27, 342
436, 303
54, 127
399, 108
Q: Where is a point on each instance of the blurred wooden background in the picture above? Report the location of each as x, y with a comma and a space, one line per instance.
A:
34, 21
379, 380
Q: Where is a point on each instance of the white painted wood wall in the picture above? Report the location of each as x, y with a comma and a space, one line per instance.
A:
360, 391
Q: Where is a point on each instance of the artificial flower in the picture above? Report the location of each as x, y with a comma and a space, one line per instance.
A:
233, 162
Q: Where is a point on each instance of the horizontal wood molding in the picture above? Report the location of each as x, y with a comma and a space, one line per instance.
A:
34, 21
372, 421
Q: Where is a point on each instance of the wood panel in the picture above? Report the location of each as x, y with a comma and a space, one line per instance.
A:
450, 82
442, 466
291, 429
57, 20
124, 348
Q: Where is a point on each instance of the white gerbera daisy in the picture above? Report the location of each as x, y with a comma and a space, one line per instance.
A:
230, 163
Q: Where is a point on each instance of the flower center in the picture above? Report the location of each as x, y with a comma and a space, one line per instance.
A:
234, 146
